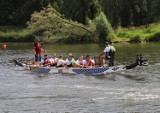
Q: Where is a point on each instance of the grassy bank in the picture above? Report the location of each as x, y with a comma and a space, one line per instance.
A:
15, 34
139, 34
133, 34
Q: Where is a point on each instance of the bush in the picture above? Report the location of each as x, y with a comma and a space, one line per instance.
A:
15, 34
54, 26
103, 27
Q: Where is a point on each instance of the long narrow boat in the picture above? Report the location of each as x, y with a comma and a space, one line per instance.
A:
93, 71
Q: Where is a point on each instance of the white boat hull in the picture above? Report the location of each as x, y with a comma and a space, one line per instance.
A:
92, 71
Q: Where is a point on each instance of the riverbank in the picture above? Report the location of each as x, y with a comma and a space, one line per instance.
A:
148, 33
132, 34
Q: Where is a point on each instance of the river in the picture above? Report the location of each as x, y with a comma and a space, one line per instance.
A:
135, 90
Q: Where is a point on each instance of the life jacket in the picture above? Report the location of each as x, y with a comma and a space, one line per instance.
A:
70, 63
112, 50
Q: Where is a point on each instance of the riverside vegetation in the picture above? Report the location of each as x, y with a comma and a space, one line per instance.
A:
94, 22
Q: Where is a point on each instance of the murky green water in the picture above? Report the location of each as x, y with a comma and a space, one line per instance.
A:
136, 90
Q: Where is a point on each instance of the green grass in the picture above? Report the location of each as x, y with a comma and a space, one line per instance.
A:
131, 34
15, 34
139, 34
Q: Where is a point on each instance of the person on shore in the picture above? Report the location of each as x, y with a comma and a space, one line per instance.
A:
108, 54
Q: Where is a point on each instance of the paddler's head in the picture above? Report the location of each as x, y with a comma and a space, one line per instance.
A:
70, 55
106, 43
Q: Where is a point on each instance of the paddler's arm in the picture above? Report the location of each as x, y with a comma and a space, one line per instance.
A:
43, 50
103, 53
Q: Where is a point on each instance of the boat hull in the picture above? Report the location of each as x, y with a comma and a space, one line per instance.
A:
92, 71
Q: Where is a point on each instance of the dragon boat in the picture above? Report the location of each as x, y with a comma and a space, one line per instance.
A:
140, 61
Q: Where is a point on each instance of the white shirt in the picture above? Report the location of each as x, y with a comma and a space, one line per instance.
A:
83, 61
107, 49
60, 62
68, 62
53, 60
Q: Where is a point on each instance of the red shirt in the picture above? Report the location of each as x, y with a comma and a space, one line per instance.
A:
38, 51
90, 63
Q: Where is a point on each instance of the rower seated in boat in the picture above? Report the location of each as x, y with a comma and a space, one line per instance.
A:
60, 62
46, 61
80, 62
53, 60
69, 60
88, 63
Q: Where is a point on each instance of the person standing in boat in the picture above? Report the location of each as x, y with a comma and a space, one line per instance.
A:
38, 51
36, 41
108, 54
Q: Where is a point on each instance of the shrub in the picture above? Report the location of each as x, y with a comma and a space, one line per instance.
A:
103, 27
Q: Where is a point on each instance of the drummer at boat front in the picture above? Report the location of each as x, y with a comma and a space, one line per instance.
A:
38, 51
108, 54
88, 63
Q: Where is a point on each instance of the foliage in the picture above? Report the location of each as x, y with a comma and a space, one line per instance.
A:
17, 12
56, 28
15, 34
104, 28
80, 20
131, 13
79, 10
140, 34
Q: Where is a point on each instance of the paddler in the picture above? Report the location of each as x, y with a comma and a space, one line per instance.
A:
53, 60
88, 63
70, 60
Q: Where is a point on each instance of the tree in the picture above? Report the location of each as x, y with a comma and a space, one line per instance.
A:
79, 10
18, 12
55, 27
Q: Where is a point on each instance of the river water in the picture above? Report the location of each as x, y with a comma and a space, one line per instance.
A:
136, 90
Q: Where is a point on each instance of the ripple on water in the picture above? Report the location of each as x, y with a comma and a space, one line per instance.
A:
24, 91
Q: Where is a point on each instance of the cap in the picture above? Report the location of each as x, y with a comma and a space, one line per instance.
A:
106, 43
